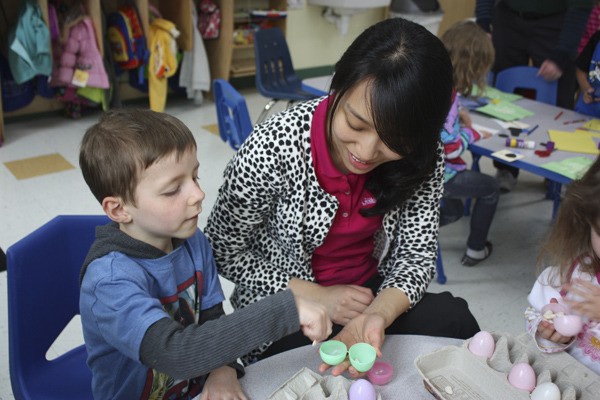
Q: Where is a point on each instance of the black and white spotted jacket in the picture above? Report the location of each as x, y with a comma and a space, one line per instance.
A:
271, 214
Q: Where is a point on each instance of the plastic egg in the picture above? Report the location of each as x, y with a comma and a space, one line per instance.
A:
568, 325
333, 352
362, 356
362, 389
482, 344
555, 308
522, 376
546, 391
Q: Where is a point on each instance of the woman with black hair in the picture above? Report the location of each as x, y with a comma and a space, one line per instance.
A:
338, 198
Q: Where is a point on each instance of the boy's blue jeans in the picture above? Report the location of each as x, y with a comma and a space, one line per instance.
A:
481, 187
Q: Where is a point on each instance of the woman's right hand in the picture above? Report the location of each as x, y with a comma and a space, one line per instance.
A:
343, 302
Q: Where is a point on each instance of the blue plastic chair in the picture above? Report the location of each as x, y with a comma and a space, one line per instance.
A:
232, 114
275, 74
524, 77
43, 297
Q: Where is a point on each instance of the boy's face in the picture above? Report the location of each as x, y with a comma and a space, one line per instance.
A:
168, 200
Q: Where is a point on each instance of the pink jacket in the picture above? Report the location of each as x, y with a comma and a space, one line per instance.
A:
80, 51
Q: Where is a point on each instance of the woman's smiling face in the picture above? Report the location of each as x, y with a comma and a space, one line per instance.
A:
355, 145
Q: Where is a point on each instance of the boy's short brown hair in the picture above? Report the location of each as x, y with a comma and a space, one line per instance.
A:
125, 142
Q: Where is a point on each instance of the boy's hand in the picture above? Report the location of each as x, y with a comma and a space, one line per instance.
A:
222, 384
344, 302
314, 321
588, 295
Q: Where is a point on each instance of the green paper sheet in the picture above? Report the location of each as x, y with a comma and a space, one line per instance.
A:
505, 111
573, 167
495, 94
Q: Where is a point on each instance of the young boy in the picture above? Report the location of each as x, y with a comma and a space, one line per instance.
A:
151, 299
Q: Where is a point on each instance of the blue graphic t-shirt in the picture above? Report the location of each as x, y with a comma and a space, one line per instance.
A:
122, 296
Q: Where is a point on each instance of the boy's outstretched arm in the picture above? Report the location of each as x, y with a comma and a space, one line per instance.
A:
195, 350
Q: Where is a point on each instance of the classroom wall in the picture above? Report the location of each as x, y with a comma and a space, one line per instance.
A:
315, 42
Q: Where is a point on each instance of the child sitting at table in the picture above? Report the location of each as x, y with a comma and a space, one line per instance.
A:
151, 299
572, 247
472, 54
587, 72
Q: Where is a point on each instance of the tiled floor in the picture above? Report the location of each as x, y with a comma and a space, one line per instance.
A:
496, 290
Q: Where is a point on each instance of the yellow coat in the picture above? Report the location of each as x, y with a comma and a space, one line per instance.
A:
163, 61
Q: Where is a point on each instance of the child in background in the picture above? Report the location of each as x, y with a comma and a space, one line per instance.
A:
572, 247
472, 54
587, 72
151, 300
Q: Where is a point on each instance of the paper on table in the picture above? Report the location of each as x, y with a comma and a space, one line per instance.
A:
592, 124
495, 94
573, 167
578, 142
505, 111
507, 155
481, 128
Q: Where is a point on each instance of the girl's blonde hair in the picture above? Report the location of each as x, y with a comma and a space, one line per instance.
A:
569, 239
472, 54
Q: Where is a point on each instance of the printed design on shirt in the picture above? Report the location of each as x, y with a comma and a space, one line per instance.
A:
594, 73
368, 201
183, 307
589, 342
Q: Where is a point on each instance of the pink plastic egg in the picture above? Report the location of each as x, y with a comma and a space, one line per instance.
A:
568, 325
522, 376
482, 344
555, 308
362, 389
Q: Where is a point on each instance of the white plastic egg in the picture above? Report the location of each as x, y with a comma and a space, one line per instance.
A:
546, 391
482, 344
362, 389
522, 376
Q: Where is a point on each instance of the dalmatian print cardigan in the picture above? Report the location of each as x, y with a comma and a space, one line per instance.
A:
271, 214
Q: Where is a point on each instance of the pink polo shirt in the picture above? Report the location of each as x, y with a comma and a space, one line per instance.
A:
345, 257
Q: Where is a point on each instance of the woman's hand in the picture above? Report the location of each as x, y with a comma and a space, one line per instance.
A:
343, 302
588, 302
550, 71
366, 328
222, 384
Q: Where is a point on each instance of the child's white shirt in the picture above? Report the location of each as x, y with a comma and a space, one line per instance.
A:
586, 346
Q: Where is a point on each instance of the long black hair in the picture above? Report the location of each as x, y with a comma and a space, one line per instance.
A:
409, 75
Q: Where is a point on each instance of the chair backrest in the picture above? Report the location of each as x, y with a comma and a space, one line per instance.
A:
275, 74
525, 77
232, 114
43, 297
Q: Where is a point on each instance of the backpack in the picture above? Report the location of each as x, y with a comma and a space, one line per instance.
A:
209, 19
29, 44
126, 38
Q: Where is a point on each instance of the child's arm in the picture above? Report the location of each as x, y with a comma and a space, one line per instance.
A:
544, 291
195, 350
588, 298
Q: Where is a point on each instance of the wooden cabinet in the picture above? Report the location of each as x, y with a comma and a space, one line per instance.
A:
228, 55
177, 11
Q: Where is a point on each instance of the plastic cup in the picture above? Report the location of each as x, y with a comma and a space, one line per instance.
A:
362, 356
333, 352
381, 373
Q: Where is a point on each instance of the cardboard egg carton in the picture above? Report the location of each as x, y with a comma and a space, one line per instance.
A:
308, 385
454, 373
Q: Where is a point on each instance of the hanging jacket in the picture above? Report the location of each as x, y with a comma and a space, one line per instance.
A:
163, 61
80, 52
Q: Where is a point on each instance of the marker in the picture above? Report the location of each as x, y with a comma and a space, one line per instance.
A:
532, 129
315, 342
574, 122
558, 115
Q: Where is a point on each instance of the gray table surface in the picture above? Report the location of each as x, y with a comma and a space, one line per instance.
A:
544, 115
264, 377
